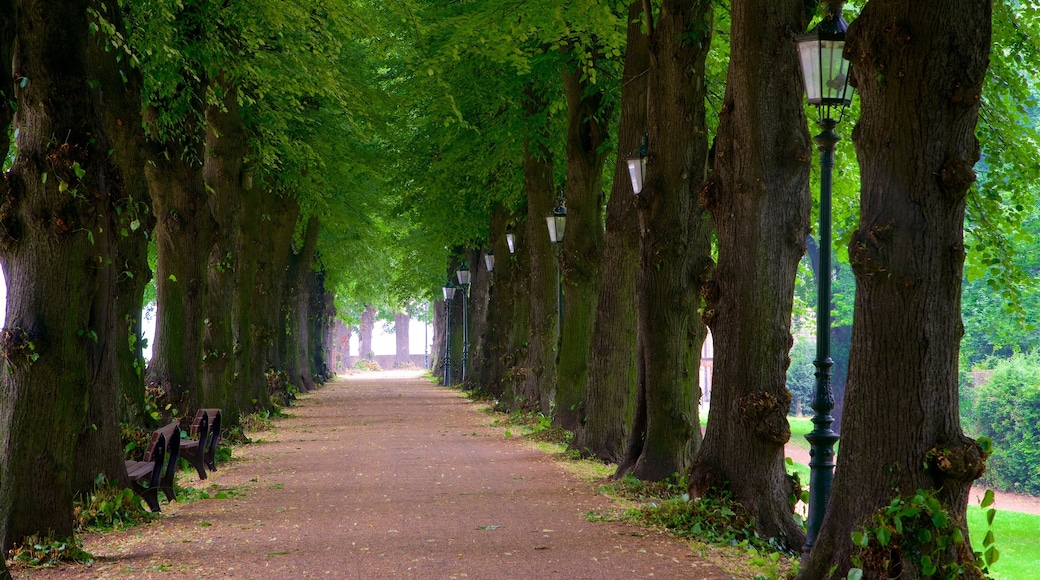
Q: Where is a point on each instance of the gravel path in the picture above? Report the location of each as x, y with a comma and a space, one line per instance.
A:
384, 475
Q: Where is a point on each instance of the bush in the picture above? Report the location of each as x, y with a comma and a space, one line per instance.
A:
1007, 410
364, 364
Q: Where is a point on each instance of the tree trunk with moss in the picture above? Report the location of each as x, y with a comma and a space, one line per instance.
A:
675, 246
280, 213
588, 114
504, 349
901, 430
55, 198
610, 384
227, 340
759, 200
540, 367
118, 383
294, 300
7, 96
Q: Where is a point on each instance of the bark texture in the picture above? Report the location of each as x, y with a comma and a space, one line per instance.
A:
294, 306
919, 68
759, 199
610, 384
58, 192
675, 245
540, 367
116, 312
227, 382
588, 116
505, 347
7, 96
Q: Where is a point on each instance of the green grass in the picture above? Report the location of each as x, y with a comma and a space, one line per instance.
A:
1017, 539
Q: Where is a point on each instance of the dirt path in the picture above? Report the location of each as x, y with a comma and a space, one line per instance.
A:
388, 476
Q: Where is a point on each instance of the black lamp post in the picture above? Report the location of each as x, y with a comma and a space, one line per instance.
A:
825, 73
557, 221
449, 295
463, 275
637, 166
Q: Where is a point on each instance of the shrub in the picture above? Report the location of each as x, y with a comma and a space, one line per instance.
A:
364, 364
1007, 410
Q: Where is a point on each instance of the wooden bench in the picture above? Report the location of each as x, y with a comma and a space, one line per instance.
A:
158, 468
201, 452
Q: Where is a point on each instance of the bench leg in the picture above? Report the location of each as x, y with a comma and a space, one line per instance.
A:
150, 495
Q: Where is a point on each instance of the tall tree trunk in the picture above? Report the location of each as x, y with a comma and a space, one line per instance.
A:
319, 316
57, 193
402, 354
587, 118
675, 246
508, 312
227, 339
540, 366
760, 203
368, 323
902, 428
7, 34
269, 291
116, 312
479, 291
607, 412
439, 340
183, 234
455, 314
295, 297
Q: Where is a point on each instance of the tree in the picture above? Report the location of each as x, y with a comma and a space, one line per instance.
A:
916, 157
759, 201
589, 112
61, 185
402, 354
675, 244
606, 411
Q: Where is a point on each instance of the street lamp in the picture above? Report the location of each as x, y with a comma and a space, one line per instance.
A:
449, 295
637, 166
463, 275
826, 75
511, 242
489, 260
557, 221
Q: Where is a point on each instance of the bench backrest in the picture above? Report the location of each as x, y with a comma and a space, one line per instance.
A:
164, 440
208, 443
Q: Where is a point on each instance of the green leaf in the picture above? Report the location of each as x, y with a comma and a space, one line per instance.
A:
173, 278
860, 538
883, 535
988, 498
